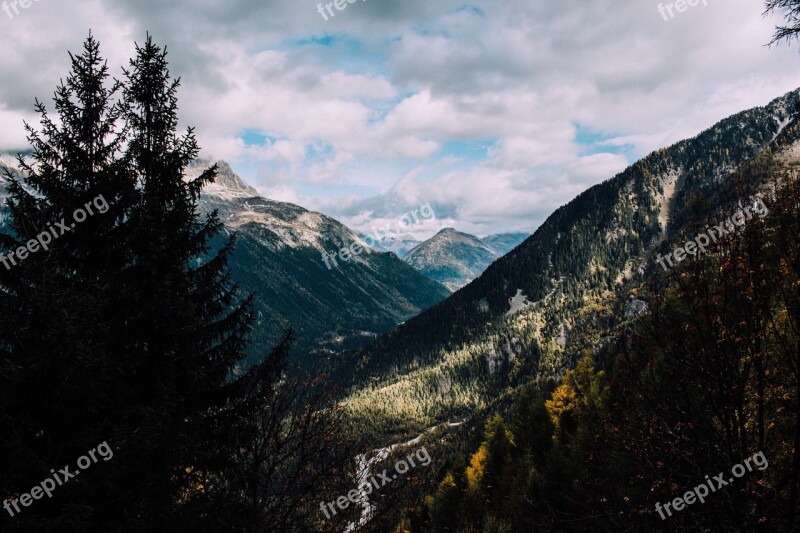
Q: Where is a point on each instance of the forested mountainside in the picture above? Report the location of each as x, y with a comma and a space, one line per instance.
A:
515, 320
278, 257
627, 384
683, 411
454, 258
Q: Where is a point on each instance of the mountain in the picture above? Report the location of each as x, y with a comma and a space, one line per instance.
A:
278, 257
400, 245
656, 375
454, 258
451, 258
534, 311
502, 243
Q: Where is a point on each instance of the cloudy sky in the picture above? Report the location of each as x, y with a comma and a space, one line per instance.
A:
495, 113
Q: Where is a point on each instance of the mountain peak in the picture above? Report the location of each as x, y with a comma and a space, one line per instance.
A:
227, 183
451, 257
226, 177
450, 232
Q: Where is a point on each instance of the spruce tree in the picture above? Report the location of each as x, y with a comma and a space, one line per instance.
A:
128, 329
55, 370
183, 327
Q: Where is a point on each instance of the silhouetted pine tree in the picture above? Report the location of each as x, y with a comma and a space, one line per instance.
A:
183, 327
127, 328
56, 372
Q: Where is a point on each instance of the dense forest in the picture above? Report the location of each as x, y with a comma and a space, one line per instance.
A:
704, 379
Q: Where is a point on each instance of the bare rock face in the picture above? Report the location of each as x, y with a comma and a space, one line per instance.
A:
634, 308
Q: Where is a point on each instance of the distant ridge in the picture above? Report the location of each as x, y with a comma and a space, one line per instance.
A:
455, 258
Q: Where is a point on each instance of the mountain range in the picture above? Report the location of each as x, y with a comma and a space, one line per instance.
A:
516, 318
454, 258
278, 258
534, 311
525, 303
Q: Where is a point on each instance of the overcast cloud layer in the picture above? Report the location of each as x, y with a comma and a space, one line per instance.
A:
496, 113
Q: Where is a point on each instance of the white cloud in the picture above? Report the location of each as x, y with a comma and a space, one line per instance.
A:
358, 120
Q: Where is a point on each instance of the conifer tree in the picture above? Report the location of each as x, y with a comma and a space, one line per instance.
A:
184, 327
55, 370
128, 329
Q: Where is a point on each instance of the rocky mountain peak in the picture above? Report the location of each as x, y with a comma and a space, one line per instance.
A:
227, 178
227, 185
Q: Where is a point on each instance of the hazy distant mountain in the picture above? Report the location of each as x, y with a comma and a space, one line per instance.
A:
455, 258
502, 243
400, 245
452, 258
